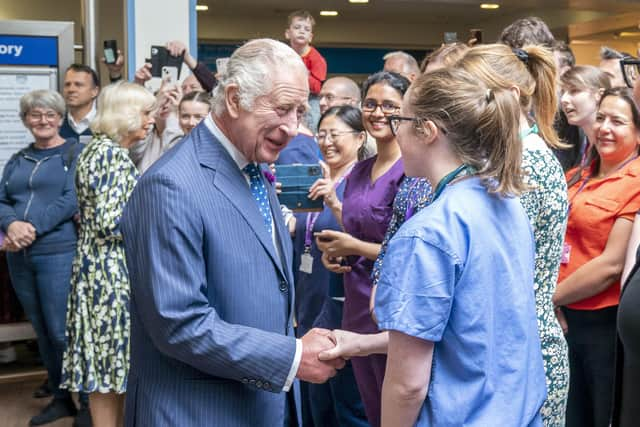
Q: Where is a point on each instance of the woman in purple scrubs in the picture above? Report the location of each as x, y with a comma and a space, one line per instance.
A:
366, 212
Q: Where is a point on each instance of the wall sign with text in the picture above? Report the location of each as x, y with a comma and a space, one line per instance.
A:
28, 50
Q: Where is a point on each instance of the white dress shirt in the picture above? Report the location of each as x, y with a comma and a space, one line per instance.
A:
83, 124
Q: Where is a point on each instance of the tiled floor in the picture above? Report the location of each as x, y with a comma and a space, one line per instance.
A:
17, 406
18, 380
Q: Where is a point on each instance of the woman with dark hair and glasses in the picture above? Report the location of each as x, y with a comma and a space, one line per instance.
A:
365, 214
319, 292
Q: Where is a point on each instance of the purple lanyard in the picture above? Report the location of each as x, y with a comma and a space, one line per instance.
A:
584, 148
312, 217
588, 177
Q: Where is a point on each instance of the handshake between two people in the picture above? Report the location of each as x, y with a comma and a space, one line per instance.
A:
324, 352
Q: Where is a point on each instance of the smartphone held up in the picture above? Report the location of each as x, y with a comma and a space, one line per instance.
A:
110, 51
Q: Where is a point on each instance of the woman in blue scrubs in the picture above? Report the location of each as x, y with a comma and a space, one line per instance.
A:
455, 296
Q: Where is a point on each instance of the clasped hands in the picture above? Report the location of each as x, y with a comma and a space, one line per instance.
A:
324, 352
20, 235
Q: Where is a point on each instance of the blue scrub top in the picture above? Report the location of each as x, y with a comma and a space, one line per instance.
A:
460, 273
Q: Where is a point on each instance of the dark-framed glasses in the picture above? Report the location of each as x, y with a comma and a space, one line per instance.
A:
395, 121
630, 70
387, 107
322, 136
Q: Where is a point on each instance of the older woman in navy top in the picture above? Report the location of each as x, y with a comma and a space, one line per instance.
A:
37, 205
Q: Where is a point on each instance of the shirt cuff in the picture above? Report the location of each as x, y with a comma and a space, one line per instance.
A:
287, 214
294, 366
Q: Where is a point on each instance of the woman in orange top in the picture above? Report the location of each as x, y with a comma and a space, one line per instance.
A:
604, 196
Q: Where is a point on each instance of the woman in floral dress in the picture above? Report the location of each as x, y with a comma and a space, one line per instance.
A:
96, 358
532, 71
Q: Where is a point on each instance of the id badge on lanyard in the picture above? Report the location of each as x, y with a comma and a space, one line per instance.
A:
566, 254
306, 259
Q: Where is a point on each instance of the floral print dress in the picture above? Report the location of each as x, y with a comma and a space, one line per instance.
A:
96, 357
546, 206
413, 195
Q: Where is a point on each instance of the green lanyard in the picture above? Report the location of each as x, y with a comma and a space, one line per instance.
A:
525, 133
450, 177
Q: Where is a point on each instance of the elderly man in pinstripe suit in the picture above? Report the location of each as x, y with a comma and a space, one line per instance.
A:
210, 262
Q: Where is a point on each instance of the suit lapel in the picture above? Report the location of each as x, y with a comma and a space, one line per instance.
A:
232, 184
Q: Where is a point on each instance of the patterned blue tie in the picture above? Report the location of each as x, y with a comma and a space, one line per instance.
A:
259, 192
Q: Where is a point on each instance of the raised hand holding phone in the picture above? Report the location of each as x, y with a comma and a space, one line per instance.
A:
169, 74
296, 180
110, 52
324, 187
113, 59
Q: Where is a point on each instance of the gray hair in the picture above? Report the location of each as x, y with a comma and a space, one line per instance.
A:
409, 63
607, 53
252, 67
43, 98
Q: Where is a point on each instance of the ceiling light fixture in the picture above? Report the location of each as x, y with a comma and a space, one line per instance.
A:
628, 34
328, 13
202, 7
489, 6
358, 1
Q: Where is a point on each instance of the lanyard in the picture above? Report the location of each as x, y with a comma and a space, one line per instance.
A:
450, 177
584, 150
527, 132
588, 177
312, 217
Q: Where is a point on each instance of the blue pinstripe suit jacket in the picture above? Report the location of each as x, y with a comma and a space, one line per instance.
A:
211, 300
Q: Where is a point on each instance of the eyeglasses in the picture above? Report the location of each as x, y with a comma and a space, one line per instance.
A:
630, 70
332, 136
36, 117
387, 107
394, 122
331, 97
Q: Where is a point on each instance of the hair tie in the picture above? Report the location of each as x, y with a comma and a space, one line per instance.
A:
522, 55
488, 95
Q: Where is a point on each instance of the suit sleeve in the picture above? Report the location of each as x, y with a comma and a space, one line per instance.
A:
204, 76
163, 233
